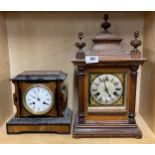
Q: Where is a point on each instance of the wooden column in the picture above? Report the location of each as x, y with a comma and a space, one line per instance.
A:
80, 75
131, 114
135, 54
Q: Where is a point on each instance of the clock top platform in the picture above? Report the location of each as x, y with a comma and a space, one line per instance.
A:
107, 47
40, 76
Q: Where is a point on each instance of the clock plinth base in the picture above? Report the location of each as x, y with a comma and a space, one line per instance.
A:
41, 125
106, 130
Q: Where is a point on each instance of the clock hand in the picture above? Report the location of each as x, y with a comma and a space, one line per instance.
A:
36, 94
33, 96
106, 89
108, 92
45, 103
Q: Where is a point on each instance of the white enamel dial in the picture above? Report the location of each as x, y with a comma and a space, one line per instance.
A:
106, 89
38, 99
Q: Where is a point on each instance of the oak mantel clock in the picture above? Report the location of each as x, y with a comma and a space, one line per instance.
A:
40, 98
107, 86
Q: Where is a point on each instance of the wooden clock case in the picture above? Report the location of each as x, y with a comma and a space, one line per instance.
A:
57, 120
104, 123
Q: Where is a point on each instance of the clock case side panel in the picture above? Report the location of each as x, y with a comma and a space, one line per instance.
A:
106, 115
17, 99
62, 97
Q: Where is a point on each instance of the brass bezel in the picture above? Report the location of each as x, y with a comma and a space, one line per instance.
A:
30, 110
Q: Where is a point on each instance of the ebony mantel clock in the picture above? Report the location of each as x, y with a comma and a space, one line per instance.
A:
107, 86
40, 98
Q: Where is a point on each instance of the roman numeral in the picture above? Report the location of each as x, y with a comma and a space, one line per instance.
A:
106, 101
112, 79
117, 89
97, 94
106, 78
115, 93
34, 91
100, 99
32, 96
116, 83
101, 80
112, 98
38, 89
94, 89
32, 103
96, 84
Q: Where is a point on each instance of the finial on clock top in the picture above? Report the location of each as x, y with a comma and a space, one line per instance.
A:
135, 43
135, 53
80, 44
105, 25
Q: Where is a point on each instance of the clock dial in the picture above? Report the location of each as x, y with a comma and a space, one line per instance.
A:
38, 99
106, 89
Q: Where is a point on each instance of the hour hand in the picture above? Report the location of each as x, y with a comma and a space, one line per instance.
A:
106, 89
108, 92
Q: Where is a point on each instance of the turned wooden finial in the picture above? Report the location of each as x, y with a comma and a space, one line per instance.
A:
135, 43
80, 44
105, 25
